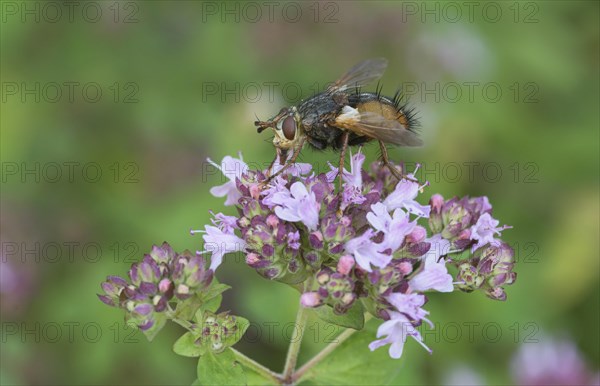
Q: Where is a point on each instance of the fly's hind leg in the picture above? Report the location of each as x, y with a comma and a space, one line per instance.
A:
393, 170
340, 175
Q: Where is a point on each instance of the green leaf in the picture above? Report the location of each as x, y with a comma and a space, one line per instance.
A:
207, 300
220, 369
242, 325
186, 346
353, 363
187, 308
354, 318
214, 290
213, 304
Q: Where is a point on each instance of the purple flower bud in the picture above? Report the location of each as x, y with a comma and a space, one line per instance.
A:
143, 309
271, 273
323, 276
117, 281
272, 221
313, 258
252, 259
310, 299
417, 235
148, 288
345, 264
160, 304
268, 250
436, 202
496, 293
405, 267
134, 274
162, 254
315, 240
146, 325
106, 300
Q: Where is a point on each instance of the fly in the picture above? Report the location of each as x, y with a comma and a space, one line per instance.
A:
343, 116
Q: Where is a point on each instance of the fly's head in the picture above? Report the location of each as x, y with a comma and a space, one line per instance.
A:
287, 130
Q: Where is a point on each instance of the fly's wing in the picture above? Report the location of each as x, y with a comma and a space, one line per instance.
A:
361, 74
374, 125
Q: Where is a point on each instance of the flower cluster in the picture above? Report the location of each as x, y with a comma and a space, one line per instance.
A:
161, 278
362, 247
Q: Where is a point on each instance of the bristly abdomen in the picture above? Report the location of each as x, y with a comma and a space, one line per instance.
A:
395, 108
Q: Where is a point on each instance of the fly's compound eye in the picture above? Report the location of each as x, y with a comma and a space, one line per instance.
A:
289, 128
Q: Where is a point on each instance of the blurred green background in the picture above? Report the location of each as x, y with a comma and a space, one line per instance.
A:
180, 81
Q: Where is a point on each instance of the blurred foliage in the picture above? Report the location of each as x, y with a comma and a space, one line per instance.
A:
546, 129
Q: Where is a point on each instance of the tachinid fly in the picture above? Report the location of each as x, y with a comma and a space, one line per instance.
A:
343, 116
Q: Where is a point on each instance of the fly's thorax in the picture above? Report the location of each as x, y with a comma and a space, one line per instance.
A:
288, 130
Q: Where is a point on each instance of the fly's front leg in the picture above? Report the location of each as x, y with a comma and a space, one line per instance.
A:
288, 163
386, 162
270, 169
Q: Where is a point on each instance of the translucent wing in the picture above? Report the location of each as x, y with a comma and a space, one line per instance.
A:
361, 74
376, 126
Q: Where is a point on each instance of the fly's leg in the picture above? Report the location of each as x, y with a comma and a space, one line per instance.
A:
345, 137
270, 169
393, 170
288, 163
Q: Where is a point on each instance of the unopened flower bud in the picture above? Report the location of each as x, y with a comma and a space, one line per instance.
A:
310, 299
345, 264
405, 267
496, 293
272, 221
468, 277
417, 235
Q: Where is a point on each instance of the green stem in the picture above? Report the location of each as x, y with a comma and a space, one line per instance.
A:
294, 349
302, 372
257, 367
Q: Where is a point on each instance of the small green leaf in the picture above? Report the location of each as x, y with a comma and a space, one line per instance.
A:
213, 304
215, 289
353, 363
242, 325
186, 346
185, 309
220, 369
354, 318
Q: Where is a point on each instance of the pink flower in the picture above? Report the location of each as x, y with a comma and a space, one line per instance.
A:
297, 205
226, 223
404, 197
295, 169
395, 228
434, 276
219, 243
397, 329
231, 168
410, 304
352, 191
484, 230
367, 252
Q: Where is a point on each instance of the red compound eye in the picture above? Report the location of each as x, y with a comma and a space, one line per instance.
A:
289, 128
